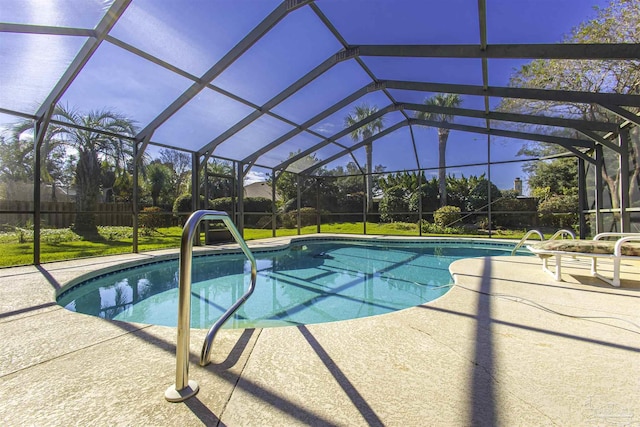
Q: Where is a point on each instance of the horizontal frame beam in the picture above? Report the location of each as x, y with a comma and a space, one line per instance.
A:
6, 27
600, 140
513, 117
563, 141
515, 51
520, 93
625, 114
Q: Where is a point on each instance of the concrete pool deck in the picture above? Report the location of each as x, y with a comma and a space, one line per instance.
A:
506, 346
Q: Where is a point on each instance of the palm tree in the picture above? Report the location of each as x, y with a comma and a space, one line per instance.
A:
49, 153
449, 100
159, 181
95, 135
359, 113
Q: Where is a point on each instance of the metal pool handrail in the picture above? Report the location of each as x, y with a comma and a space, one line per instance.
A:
561, 233
524, 239
183, 387
205, 354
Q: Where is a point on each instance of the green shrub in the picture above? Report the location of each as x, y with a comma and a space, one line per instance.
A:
515, 212
351, 203
182, 207
394, 205
559, 211
112, 232
479, 197
262, 221
308, 216
153, 217
404, 226
58, 235
428, 194
446, 215
182, 204
251, 205
22, 235
224, 204
431, 228
257, 204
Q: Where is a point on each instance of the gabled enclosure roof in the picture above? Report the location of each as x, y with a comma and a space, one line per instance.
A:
269, 82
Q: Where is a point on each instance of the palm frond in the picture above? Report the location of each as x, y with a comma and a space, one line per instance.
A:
360, 113
448, 100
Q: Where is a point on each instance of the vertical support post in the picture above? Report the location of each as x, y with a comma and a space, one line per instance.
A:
234, 194
369, 153
136, 196
138, 151
39, 131
206, 187
420, 203
207, 195
195, 182
298, 203
195, 188
489, 201
240, 198
364, 207
582, 197
623, 188
599, 188
37, 204
318, 205
274, 213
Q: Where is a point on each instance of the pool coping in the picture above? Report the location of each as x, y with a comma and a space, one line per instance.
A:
473, 356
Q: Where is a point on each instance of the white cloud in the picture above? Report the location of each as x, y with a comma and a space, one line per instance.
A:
254, 177
325, 128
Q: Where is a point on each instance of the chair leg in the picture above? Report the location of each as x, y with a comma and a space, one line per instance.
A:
616, 272
557, 275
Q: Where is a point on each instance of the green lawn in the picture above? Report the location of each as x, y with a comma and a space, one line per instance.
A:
61, 244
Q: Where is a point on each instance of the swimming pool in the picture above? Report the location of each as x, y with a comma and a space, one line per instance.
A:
310, 281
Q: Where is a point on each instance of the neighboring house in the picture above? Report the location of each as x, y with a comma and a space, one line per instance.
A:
259, 189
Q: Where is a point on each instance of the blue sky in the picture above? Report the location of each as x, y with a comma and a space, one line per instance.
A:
194, 35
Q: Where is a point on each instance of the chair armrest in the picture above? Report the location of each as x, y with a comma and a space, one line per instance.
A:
613, 234
617, 250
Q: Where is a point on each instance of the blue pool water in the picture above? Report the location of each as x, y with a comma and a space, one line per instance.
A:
310, 282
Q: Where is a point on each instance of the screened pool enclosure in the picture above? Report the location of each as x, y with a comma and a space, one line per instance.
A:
120, 117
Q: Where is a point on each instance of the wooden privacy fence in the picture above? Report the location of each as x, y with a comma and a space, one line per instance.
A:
62, 214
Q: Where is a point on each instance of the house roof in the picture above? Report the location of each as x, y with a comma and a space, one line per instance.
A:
258, 189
